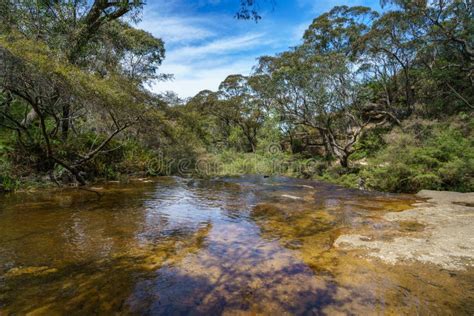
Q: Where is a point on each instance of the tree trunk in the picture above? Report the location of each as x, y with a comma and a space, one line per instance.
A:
344, 160
7, 104
65, 122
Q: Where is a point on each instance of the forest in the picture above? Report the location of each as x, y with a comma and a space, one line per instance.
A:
372, 100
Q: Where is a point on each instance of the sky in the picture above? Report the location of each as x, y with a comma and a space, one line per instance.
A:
205, 43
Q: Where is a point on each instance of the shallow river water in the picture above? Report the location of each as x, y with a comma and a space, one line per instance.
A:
229, 246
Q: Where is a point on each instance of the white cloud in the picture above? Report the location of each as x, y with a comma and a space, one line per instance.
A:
189, 81
205, 66
198, 47
217, 47
201, 67
323, 6
176, 29
298, 30
202, 50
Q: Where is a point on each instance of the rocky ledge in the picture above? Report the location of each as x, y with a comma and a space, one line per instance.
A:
447, 239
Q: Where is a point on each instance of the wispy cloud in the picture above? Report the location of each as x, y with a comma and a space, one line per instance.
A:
201, 67
201, 51
176, 30
218, 47
204, 43
299, 29
319, 7
190, 80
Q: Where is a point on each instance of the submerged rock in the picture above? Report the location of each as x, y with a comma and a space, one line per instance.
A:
292, 197
19, 271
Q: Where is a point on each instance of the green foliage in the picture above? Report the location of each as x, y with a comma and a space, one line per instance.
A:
438, 158
83, 70
348, 180
232, 163
369, 143
7, 179
387, 95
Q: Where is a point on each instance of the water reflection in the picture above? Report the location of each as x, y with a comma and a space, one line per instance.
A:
237, 245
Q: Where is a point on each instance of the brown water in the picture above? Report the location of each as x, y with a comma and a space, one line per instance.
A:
231, 246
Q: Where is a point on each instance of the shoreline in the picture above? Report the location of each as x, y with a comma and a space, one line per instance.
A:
446, 240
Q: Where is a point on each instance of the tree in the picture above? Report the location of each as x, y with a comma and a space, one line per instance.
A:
88, 35
340, 30
69, 63
320, 86
240, 106
395, 39
437, 34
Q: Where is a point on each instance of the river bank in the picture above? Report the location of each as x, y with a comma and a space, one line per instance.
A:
441, 233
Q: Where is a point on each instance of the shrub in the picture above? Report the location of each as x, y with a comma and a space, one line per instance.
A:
438, 158
7, 180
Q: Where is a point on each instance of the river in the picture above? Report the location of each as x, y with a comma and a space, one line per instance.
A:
225, 246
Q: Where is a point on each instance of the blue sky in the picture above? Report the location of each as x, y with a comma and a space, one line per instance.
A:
205, 43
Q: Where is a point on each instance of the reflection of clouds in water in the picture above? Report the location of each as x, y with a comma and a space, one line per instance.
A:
236, 271
211, 246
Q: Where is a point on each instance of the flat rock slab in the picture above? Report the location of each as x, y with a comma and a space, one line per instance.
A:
447, 240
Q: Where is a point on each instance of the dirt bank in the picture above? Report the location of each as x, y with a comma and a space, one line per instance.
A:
447, 239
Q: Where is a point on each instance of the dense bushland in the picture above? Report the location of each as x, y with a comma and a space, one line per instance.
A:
376, 100
369, 100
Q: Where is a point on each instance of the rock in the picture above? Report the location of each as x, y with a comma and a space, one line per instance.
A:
446, 239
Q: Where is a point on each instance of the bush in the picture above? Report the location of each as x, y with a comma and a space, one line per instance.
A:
232, 163
370, 143
7, 181
438, 158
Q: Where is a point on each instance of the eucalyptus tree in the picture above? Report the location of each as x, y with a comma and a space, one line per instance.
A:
320, 86
394, 40
240, 106
201, 119
442, 32
74, 64
233, 115
322, 97
449, 56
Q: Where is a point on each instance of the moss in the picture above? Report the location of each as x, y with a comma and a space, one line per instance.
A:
410, 226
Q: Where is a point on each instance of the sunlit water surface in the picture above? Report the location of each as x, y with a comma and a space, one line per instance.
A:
229, 246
